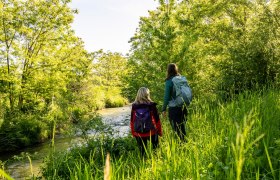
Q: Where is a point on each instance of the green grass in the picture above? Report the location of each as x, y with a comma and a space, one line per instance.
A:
234, 140
4, 175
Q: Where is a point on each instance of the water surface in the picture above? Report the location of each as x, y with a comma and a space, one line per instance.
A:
117, 118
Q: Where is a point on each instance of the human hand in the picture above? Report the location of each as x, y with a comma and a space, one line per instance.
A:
163, 113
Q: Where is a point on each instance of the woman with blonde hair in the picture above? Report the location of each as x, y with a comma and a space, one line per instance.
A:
144, 121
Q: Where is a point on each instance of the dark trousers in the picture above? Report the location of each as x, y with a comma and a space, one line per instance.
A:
143, 141
178, 117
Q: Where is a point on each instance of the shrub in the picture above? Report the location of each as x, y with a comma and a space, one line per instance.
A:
114, 98
61, 165
21, 130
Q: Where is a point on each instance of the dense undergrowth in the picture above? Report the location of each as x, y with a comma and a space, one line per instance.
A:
19, 130
234, 140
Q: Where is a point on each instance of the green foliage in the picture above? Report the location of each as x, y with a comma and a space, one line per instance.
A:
114, 98
4, 175
38, 43
108, 77
234, 140
109, 68
46, 76
223, 47
86, 159
21, 131
48, 82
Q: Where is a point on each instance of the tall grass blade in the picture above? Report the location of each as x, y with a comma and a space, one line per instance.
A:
30, 164
269, 161
107, 174
5, 175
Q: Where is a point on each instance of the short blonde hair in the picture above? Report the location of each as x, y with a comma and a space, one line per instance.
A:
143, 96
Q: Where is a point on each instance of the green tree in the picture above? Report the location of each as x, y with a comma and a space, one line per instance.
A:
109, 70
223, 47
41, 61
109, 67
153, 47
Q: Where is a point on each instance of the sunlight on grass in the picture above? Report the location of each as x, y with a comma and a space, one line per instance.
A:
223, 143
5, 175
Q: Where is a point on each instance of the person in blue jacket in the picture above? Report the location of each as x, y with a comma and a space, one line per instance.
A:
177, 115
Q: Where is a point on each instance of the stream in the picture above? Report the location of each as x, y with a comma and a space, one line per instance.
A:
117, 118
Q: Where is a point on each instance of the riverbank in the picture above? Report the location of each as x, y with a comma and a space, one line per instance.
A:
225, 140
19, 168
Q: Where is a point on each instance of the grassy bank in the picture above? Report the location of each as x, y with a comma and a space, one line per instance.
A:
235, 140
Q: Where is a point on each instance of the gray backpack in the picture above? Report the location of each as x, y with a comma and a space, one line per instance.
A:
183, 92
